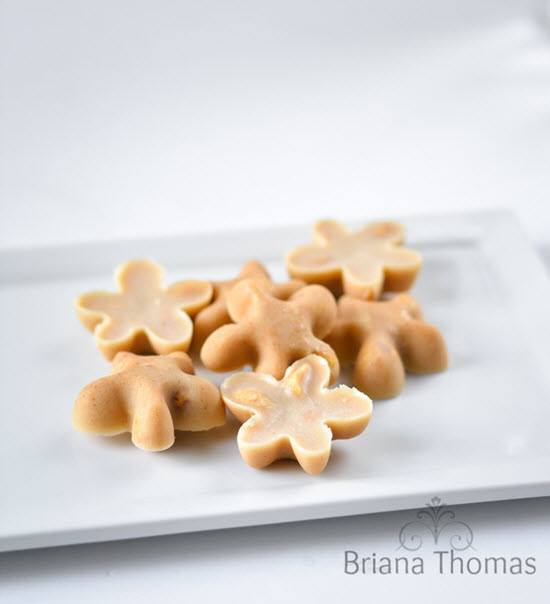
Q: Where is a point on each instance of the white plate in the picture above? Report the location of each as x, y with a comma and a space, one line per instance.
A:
476, 432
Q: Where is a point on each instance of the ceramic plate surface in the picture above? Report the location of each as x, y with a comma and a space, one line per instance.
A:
476, 432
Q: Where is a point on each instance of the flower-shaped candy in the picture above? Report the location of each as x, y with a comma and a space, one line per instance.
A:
143, 316
215, 314
385, 338
296, 417
361, 264
149, 396
269, 333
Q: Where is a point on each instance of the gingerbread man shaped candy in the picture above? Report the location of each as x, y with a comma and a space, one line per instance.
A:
149, 396
270, 334
361, 264
143, 316
215, 314
297, 417
383, 339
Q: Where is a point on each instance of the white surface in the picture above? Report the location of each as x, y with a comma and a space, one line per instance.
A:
300, 562
473, 433
123, 119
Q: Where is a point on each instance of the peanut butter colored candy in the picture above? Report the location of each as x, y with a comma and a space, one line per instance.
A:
269, 333
361, 264
143, 316
384, 339
149, 396
215, 314
294, 418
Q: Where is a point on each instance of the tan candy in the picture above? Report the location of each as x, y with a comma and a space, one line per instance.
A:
215, 314
384, 339
149, 396
361, 264
270, 334
143, 316
296, 417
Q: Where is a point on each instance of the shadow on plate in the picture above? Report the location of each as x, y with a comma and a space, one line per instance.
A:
186, 440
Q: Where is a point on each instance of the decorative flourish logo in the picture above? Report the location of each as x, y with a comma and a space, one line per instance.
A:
446, 538
437, 520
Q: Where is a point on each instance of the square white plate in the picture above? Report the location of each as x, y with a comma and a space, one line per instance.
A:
476, 432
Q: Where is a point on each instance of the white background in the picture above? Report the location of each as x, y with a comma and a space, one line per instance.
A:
139, 118
121, 119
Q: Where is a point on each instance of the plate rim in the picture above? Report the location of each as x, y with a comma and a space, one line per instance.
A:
489, 227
